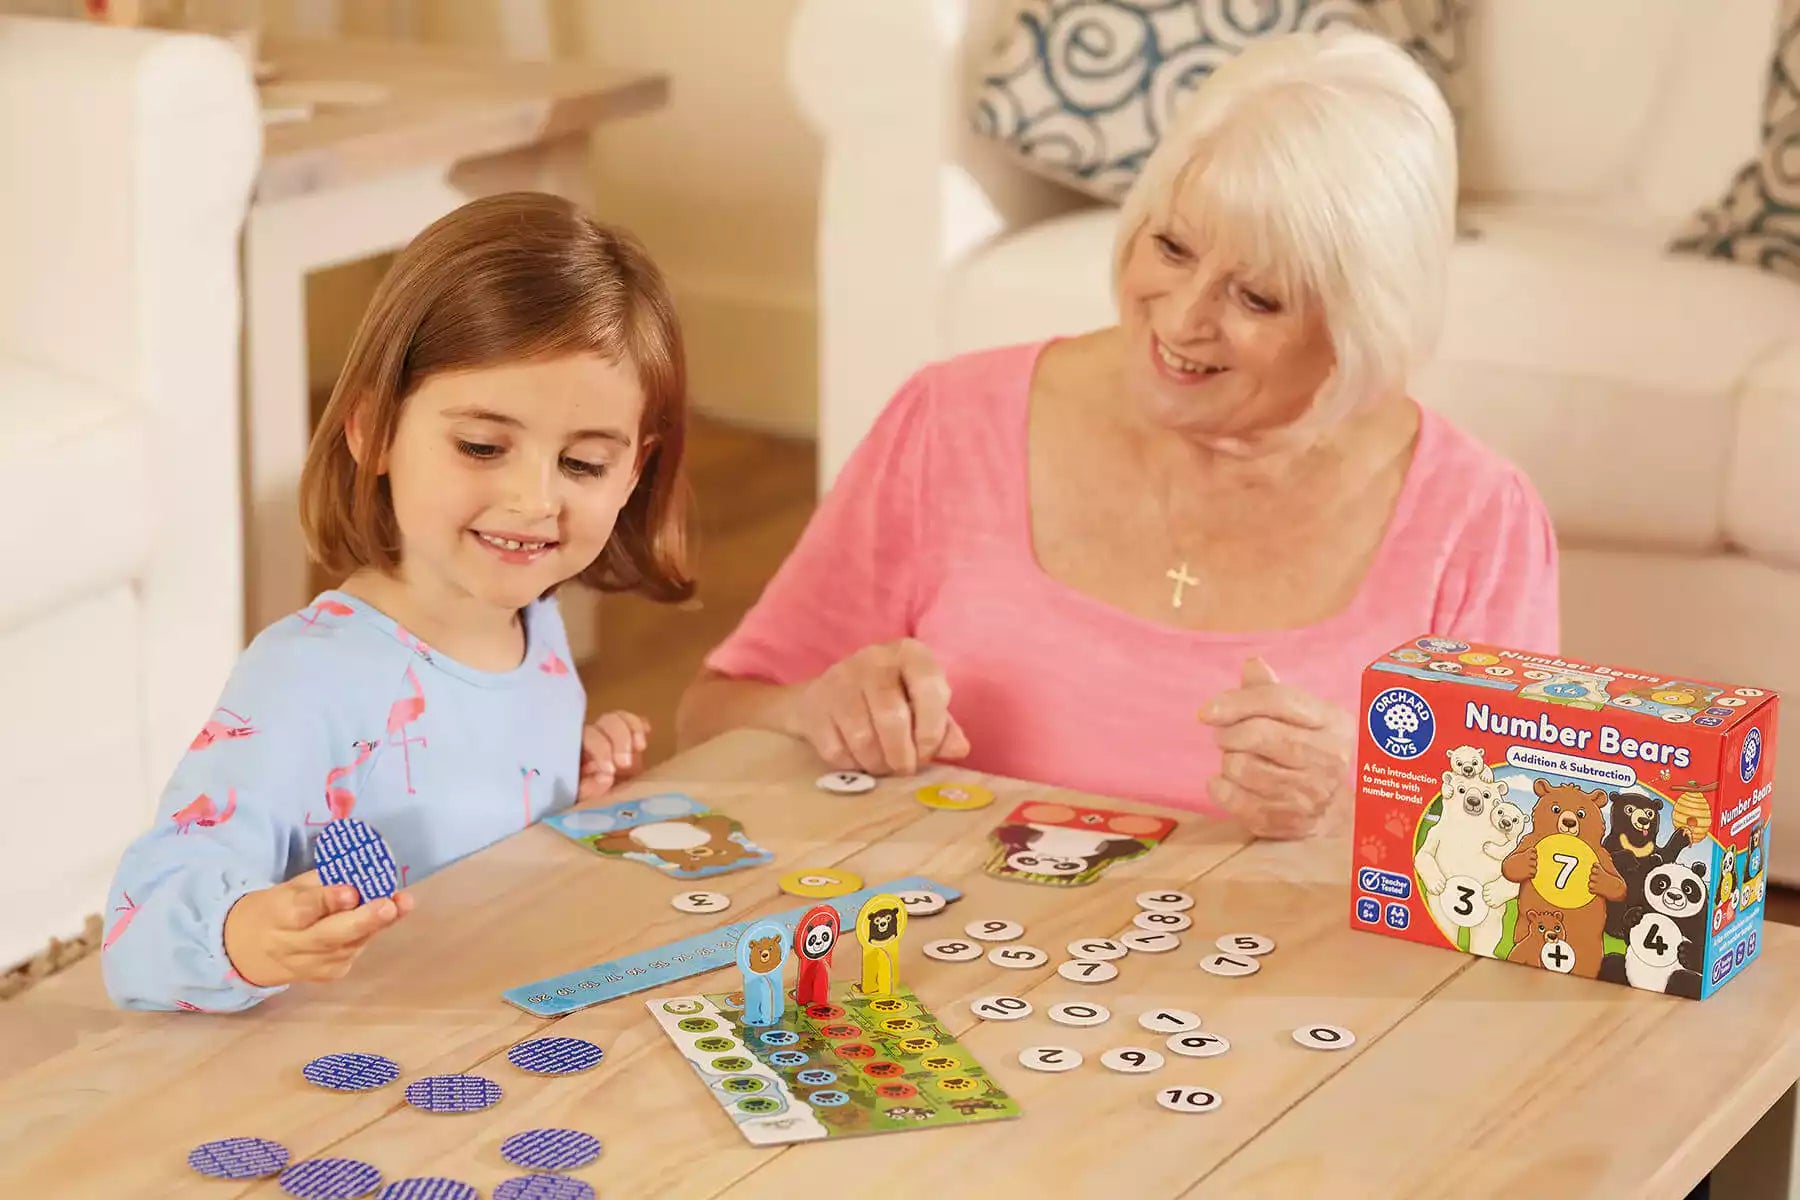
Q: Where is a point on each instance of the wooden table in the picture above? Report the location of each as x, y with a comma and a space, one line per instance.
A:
1565, 1086
359, 179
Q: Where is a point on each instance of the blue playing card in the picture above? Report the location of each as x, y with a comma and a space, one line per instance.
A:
353, 852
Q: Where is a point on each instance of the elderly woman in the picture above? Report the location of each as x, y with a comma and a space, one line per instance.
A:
1151, 561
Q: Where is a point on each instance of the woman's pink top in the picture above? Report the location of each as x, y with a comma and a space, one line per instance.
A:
926, 533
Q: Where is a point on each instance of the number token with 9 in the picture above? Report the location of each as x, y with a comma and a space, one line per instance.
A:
1462, 901
1188, 1099
951, 950
701, 902
994, 931
1162, 922
1050, 1058
1165, 901
1131, 1060
1088, 970
1196, 1044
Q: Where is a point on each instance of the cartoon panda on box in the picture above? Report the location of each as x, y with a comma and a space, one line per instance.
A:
1665, 932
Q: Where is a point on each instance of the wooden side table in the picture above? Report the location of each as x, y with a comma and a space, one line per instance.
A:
414, 132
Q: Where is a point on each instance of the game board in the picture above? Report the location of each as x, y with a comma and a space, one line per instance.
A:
697, 954
1061, 845
860, 1064
672, 832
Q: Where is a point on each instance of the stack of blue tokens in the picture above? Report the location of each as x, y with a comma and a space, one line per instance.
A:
555, 1055
544, 1187
427, 1188
329, 1179
351, 851
238, 1158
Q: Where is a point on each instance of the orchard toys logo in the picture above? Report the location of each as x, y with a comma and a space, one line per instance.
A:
1402, 723
1751, 758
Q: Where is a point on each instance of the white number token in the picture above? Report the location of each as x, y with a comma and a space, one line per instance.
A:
1229, 964
994, 931
951, 950
1188, 1099
1050, 1058
1169, 1020
922, 903
1019, 958
846, 783
1245, 943
1001, 1008
1324, 1037
701, 902
1198, 1045
1149, 942
1088, 970
1073, 1013
1131, 1060
1165, 901
1162, 922
1100, 948
1462, 901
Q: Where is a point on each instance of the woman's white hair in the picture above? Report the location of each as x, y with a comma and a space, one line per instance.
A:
1326, 162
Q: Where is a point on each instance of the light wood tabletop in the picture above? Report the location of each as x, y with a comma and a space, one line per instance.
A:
1468, 1077
384, 107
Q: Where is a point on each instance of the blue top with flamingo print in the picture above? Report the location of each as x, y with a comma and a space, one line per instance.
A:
331, 711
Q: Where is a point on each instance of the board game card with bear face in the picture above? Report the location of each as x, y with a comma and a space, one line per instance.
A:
672, 832
1063, 845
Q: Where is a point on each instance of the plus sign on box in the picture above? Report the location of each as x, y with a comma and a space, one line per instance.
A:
1570, 816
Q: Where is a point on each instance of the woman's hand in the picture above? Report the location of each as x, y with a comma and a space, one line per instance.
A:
884, 710
304, 931
612, 751
1285, 755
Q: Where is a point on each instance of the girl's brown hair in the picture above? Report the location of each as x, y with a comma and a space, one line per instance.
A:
507, 278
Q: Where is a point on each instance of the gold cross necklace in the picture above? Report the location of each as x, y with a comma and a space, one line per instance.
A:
1182, 580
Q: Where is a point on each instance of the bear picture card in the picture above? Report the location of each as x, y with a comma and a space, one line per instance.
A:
672, 832
1064, 845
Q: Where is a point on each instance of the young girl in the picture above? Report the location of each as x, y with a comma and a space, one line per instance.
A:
510, 418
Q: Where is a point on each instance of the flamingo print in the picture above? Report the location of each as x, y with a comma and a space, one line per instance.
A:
552, 665
215, 730
526, 773
404, 712
130, 909
202, 811
335, 608
408, 639
341, 800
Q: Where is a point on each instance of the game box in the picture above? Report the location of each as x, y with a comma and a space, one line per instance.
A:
1571, 816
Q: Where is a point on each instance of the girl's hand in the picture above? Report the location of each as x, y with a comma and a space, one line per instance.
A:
302, 931
612, 751
1286, 756
884, 710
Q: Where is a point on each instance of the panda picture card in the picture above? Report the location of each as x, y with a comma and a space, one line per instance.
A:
673, 832
1065, 845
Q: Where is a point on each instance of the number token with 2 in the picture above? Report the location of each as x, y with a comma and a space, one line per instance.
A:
1050, 1058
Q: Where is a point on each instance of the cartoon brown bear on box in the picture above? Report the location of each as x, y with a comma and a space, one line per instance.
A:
1571, 809
1537, 929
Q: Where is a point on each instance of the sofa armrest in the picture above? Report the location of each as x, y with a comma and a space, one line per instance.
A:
908, 189
129, 157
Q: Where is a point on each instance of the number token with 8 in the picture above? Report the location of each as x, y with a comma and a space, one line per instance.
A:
951, 950
1162, 922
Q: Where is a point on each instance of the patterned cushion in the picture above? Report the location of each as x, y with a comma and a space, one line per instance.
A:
1082, 89
1758, 220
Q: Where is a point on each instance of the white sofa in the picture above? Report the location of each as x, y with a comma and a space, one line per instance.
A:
1654, 399
126, 161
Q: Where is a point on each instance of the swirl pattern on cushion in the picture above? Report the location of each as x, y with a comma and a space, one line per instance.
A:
1081, 90
1757, 222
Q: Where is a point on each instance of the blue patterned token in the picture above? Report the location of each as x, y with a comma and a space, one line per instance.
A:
453, 1093
329, 1179
544, 1187
351, 1072
555, 1055
238, 1158
427, 1188
550, 1149
341, 837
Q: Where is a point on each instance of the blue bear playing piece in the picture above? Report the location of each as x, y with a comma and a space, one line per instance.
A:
761, 952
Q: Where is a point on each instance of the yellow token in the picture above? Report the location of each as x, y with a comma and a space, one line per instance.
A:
958, 797
1562, 871
818, 883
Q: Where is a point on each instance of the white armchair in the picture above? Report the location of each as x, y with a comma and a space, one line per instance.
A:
1653, 398
126, 162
